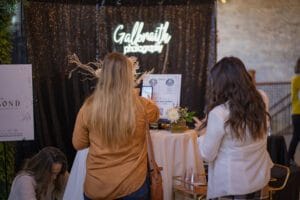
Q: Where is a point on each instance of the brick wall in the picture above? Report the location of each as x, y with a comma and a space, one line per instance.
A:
265, 34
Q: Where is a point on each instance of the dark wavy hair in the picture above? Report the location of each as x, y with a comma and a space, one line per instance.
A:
40, 167
230, 83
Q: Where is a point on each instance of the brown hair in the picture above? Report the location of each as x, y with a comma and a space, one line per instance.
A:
230, 82
40, 167
252, 74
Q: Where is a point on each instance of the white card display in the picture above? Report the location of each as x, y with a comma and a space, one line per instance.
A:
166, 90
16, 103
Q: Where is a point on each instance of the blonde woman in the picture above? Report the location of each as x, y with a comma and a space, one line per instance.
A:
112, 123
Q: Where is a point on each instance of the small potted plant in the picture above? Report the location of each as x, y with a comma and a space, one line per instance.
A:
178, 117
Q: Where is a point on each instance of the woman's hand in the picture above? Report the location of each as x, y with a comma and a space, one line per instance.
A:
198, 124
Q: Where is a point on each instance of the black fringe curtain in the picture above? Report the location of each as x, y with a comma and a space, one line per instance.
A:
55, 30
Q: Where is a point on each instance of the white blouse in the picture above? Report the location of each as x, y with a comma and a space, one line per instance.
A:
23, 188
235, 167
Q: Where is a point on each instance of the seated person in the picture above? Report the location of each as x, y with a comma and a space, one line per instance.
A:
43, 176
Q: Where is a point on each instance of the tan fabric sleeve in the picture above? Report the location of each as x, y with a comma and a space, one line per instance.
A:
80, 137
152, 111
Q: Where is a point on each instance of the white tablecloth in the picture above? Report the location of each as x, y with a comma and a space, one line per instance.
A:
174, 152
74, 187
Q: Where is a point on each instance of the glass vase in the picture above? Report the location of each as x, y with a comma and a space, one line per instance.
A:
179, 126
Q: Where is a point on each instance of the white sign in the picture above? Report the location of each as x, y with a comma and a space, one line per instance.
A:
138, 41
16, 103
166, 90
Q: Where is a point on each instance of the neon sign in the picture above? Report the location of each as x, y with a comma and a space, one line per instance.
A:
138, 41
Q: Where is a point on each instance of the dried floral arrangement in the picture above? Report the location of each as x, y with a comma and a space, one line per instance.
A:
92, 70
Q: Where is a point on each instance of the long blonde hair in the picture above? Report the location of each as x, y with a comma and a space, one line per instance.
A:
113, 107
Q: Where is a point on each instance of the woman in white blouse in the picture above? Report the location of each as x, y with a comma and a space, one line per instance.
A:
234, 143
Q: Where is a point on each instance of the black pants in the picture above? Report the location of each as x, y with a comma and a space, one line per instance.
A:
296, 136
